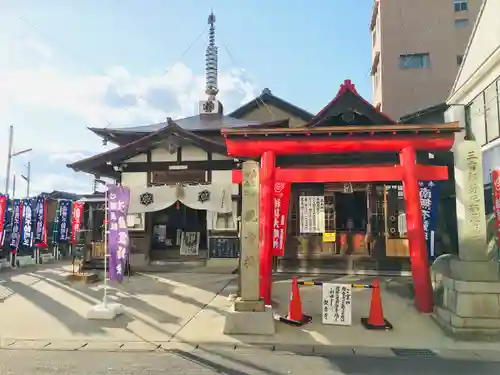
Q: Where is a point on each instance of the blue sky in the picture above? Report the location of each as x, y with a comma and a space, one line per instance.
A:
66, 65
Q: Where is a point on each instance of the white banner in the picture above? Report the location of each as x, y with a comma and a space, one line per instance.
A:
312, 214
212, 197
337, 304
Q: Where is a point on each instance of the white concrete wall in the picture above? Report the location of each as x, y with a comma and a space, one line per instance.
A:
161, 154
481, 65
188, 153
135, 179
484, 42
191, 153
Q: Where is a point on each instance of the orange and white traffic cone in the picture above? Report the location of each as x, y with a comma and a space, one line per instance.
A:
295, 315
376, 318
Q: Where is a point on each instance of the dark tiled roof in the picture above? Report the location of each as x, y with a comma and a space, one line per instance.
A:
348, 99
196, 123
171, 131
268, 98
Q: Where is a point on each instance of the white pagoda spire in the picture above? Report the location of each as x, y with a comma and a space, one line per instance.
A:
211, 61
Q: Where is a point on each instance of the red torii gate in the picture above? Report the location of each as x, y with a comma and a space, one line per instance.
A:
402, 139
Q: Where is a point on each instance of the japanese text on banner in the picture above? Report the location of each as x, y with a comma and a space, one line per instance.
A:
3, 216
428, 205
280, 217
64, 218
27, 223
16, 225
76, 220
495, 178
40, 220
118, 198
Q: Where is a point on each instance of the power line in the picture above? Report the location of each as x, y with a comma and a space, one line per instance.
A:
257, 98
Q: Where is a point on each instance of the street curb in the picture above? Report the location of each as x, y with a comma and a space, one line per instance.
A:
275, 348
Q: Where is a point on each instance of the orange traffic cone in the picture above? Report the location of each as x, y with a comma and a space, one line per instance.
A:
295, 315
376, 318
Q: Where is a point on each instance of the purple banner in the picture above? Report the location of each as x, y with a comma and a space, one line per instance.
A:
16, 225
118, 199
27, 223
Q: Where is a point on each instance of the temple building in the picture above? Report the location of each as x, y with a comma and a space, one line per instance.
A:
186, 192
183, 202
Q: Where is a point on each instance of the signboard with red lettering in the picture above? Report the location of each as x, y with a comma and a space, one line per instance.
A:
76, 220
280, 217
495, 179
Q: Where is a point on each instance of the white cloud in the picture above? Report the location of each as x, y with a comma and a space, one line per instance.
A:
51, 106
37, 47
67, 157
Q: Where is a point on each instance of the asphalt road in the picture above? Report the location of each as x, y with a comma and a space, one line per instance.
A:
201, 362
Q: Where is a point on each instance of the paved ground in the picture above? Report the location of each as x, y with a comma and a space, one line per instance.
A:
217, 361
40, 309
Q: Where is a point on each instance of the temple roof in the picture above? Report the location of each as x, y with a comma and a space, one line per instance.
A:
170, 133
191, 123
349, 108
266, 97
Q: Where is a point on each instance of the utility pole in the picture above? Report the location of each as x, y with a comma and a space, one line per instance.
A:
14, 186
27, 178
9, 158
10, 155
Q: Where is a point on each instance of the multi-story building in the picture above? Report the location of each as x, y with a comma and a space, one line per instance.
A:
417, 49
475, 97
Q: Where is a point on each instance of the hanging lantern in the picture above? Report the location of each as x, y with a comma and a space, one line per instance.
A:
177, 205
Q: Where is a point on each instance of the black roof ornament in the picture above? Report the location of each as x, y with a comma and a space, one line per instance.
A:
266, 91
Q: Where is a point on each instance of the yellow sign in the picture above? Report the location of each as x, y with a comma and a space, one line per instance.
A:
329, 237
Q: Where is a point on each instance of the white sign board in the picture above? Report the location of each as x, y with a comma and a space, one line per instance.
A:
312, 214
337, 304
190, 243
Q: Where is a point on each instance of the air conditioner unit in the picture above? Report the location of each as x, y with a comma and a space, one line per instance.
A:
208, 107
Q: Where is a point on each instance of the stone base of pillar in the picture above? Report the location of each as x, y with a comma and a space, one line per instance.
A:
249, 318
469, 310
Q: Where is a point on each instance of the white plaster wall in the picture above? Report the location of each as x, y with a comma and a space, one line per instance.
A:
485, 41
224, 178
192, 153
141, 158
134, 179
220, 157
161, 154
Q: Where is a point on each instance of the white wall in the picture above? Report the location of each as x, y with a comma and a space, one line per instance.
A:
485, 41
191, 153
188, 153
141, 158
481, 65
135, 179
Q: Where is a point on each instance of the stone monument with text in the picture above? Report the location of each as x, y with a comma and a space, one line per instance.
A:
248, 314
469, 284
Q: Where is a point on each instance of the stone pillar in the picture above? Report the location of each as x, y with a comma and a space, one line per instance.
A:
249, 315
250, 234
469, 284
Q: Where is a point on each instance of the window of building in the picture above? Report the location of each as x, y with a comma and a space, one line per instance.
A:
460, 58
491, 109
461, 23
414, 61
460, 5
477, 119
